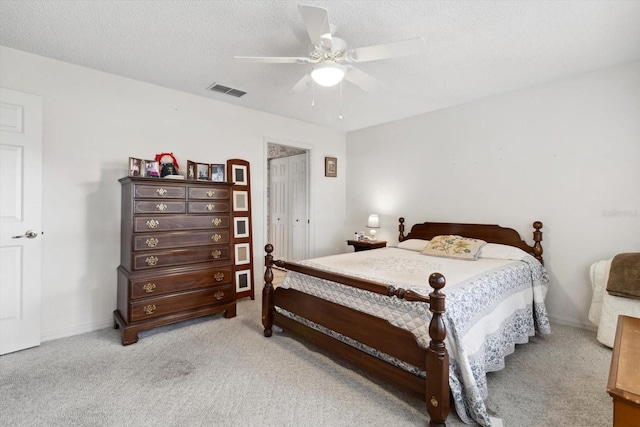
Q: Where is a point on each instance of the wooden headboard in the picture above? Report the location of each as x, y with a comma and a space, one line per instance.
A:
486, 232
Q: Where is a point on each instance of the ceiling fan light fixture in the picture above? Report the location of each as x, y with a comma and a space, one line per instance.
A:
328, 73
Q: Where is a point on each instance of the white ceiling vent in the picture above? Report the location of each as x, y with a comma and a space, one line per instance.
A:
226, 90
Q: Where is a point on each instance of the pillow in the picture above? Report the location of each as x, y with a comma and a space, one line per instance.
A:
417, 245
498, 251
450, 246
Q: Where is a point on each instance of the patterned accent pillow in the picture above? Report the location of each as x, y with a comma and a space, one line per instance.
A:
450, 246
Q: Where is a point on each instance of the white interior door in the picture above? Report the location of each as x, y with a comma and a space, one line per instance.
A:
299, 217
278, 209
20, 220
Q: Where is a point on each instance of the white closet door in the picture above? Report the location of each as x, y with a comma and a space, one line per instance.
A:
278, 209
20, 220
299, 207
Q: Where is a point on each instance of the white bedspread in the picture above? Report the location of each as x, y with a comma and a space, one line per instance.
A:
605, 308
491, 305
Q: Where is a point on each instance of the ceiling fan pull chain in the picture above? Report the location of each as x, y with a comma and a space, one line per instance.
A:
340, 116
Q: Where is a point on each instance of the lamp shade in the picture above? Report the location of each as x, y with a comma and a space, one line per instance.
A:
328, 73
373, 221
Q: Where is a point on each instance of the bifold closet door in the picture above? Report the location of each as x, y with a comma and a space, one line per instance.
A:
279, 208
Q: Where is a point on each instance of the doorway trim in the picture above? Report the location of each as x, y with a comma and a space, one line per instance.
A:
310, 188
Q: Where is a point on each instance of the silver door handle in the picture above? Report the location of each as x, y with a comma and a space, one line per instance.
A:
31, 234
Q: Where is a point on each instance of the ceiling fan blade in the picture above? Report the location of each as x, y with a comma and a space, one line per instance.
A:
316, 19
363, 80
302, 84
388, 50
273, 59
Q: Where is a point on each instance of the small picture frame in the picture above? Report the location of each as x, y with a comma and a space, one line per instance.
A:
217, 172
241, 227
240, 201
203, 172
331, 167
135, 165
191, 169
242, 254
239, 175
243, 280
151, 168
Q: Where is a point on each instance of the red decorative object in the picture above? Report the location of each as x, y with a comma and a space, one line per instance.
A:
159, 157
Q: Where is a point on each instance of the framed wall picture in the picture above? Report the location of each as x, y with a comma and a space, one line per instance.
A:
331, 167
240, 201
242, 253
217, 173
243, 280
241, 227
239, 175
202, 172
134, 166
151, 168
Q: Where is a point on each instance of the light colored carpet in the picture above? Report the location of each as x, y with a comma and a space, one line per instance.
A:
223, 372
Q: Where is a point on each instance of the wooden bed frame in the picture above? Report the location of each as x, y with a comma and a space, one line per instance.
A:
376, 332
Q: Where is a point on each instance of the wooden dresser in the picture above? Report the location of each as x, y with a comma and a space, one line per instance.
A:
176, 260
624, 376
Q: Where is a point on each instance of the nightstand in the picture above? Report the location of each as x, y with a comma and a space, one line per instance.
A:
367, 244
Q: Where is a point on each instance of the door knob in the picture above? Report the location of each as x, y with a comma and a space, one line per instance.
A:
30, 234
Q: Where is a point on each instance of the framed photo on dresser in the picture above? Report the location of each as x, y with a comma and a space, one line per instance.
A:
135, 164
217, 173
202, 172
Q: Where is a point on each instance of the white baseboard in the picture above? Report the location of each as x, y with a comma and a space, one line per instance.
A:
568, 322
76, 330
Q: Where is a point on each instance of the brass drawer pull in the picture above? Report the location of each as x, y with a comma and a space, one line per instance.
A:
161, 207
216, 238
161, 191
216, 254
218, 295
151, 260
152, 223
219, 277
210, 193
149, 309
149, 287
152, 242
216, 221
210, 207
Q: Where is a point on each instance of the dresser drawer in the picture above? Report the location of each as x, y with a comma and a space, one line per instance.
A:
159, 192
155, 259
208, 207
174, 303
160, 207
208, 193
154, 241
179, 222
178, 283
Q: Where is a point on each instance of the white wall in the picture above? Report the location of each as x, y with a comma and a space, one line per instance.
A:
93, 122
566, 153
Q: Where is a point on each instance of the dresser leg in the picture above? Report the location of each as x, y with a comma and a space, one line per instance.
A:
231, 312
129, 335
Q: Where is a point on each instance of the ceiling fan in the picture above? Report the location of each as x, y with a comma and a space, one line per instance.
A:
331, 59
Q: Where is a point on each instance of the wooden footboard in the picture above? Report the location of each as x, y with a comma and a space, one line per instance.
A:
369, 330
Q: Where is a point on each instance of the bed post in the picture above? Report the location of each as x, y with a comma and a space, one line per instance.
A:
537, 237
401, 229
267, 292
437, 363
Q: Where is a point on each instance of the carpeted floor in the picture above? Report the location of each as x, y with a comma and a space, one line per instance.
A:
223, 372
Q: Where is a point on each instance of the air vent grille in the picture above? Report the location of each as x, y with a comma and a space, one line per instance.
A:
226, 90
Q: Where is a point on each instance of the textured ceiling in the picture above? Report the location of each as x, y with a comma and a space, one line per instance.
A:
475, 49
